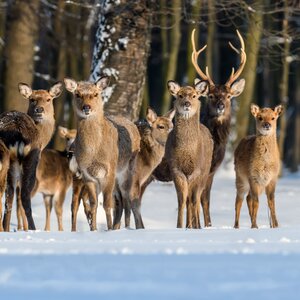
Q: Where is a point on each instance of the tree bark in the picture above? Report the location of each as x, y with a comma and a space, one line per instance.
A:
284, 85
121, 51
249, 74
23, 25
170, 71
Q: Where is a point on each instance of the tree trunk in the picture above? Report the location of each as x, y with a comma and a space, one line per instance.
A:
284, 85
249, 74
121, 52
211, 28
171, 67
195, 11
23, 24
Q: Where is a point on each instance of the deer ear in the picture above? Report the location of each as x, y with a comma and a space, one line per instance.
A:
173, 87
62, 131
201, 87
278, 109
238, 87
71, 84
151, 116
170, 114
56, 89
25, 90
254, 109
103, 82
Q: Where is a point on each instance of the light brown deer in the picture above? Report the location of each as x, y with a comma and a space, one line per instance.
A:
257, 165
189, 150
53, 178
216, 115
26, 135
154, 134
4, 165
95, 145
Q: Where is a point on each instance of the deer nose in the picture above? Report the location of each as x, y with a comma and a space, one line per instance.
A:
187, 104
86, 107
266, 125
39, 109
221, 106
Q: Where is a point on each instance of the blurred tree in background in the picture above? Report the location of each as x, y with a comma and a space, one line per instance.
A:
143, 44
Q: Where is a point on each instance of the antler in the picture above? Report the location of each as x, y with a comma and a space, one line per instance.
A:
195, 54
234, 75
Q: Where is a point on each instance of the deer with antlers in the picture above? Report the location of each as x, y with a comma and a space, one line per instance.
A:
217, 113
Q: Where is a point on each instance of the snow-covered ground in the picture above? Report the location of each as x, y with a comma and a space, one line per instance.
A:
160, 262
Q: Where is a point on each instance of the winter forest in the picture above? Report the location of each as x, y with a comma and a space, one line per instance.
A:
143, 44
127, 169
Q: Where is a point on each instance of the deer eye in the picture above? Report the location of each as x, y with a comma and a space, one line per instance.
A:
273, 118
260, 118
194, 96
210, 97
33, 101
96, 95
228, 96
49, 99
77, 95
160, 126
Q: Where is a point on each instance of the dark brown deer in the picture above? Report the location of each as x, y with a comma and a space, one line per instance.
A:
26, 135
4, 165
53, 178
257, 164
217, 114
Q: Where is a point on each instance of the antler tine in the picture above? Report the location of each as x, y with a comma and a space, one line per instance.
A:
234, 75
195, 56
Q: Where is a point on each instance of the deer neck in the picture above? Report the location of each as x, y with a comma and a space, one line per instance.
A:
185, 129
266, 143
45, 131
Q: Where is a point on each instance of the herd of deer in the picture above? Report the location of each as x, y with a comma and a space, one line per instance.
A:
112, 155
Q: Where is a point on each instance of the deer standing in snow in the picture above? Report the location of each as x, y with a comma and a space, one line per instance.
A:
257, 165
26, 135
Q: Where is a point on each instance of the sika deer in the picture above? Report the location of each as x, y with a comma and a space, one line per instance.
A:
257, 164
95, 145
217, 114
154, 134
53, 178
4, 165
189, 151
26, 135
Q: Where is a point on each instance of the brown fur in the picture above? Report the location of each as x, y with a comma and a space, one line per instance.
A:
257, 165
4, 165
25, 135
95, 146
189, 151
53, 178
154, 135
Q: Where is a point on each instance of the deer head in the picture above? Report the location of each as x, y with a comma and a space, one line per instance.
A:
87, 95
160, 126
219, 96
68, 135
266, 118
187, 98
40, 101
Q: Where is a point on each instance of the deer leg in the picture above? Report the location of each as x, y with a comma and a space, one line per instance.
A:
2, 189
205, 201
255, 203
118, 210
127, 210
189, 214
195, 197
48, 201
85, 201
77, 190
250, 205
59, 200
9, 197
238, 205
93, 196
270, 191
107, 202
181, 186
27, 184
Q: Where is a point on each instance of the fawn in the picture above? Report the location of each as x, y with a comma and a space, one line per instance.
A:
154, 134
53, 178
26, 135
189, 151
257, 164
95, 145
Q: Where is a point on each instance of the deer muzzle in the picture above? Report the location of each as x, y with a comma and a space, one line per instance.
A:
86, 109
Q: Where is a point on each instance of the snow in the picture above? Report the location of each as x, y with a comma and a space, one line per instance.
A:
160, 262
